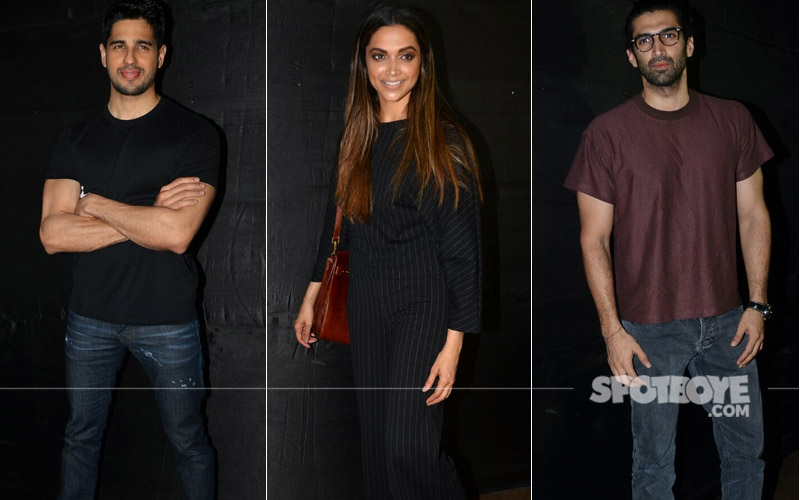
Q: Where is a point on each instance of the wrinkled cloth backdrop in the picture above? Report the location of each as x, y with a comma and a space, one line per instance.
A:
483, 60
744, 50
215, 66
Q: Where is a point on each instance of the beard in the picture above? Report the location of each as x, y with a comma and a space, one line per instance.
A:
139, 89
667, 77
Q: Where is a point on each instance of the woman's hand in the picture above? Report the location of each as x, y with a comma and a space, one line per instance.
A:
444, 368
302, 324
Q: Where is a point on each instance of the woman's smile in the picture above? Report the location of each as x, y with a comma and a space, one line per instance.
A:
393, 64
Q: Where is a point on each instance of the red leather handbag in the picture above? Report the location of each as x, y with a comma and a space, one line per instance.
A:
330, 308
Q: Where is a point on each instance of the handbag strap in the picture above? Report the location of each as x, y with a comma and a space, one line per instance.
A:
337, 227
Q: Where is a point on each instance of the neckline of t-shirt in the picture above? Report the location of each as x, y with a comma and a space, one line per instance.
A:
392, 123
129, 123
667, 115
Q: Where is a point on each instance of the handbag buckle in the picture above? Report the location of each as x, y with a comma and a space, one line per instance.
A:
335, 242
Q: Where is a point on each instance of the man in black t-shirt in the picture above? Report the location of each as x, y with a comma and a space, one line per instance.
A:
126, 191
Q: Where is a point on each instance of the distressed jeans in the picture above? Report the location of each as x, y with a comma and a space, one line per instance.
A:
702, 345
172, 358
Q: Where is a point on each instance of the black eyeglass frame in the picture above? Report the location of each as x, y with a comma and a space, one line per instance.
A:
659, 35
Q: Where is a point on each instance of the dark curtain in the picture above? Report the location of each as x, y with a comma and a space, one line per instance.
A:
52, 75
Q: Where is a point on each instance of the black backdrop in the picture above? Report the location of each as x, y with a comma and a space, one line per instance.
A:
50, 75
745, 51
483, 60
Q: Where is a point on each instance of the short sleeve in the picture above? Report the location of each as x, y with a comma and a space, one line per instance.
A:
61, 164
753, 148
201, 157
591, 171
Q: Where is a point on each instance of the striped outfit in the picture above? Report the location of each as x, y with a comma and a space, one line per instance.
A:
415, 271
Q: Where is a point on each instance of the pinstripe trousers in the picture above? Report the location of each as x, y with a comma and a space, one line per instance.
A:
397, 328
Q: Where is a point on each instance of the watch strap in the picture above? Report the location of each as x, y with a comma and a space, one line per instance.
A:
764, 308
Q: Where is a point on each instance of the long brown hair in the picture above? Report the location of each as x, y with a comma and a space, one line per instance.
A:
428, 115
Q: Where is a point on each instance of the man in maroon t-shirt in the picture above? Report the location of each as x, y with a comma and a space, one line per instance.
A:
675, 174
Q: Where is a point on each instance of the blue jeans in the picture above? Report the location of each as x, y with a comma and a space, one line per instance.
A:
702, 345
172, 357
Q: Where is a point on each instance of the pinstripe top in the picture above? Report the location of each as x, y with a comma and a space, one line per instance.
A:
407, 240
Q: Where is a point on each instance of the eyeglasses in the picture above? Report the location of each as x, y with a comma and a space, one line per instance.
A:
645, 41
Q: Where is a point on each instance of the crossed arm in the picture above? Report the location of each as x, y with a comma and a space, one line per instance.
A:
74, 224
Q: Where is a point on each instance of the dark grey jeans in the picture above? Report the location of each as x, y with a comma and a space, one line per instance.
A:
702, 345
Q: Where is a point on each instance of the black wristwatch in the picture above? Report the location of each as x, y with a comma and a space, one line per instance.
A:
764, 309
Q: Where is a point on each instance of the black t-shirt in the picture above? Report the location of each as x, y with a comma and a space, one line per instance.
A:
129, 161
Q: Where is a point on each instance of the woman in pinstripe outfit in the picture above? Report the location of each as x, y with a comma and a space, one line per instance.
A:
407, 183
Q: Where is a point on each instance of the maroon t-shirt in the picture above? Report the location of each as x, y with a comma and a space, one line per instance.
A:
671, 176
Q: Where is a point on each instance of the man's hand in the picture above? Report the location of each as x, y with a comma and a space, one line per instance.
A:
621, 347
751, 323
158, 228
182, 192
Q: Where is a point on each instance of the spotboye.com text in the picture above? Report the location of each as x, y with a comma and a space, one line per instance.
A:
728, 396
